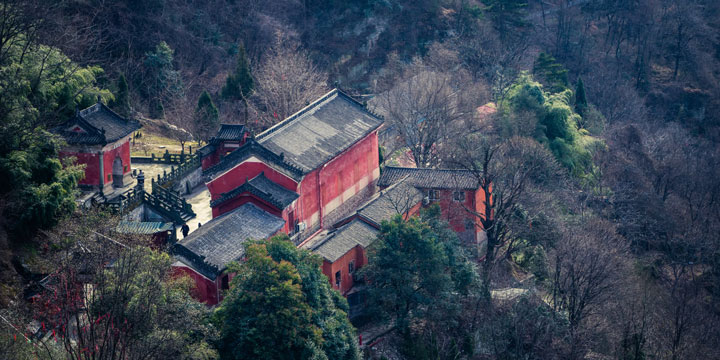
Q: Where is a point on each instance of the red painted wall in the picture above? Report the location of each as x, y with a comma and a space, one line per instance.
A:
205, 291
92, 166
221, 151
123, 151
245, 171
92, 161
210, 160
356, 254
352, 169
347, 170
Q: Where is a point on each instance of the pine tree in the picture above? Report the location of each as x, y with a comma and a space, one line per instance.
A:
121, 104
551, 73
580, 97
239, 84
506, 15
416, 269
164, 82
206, 117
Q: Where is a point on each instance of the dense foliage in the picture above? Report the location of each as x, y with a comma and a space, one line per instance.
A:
624, 95
280, 306
41, 87
418, 279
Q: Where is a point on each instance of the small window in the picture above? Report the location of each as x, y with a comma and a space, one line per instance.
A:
125, 168
225, 283
433, 195
351, 267
338, 276
459, 196
109, 177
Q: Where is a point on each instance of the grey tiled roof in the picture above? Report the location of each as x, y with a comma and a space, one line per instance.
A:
337, 243
429, 178
229, 132
263, 188
320, 131
395, 200
142, 227
281, 194
101, 126
221, 240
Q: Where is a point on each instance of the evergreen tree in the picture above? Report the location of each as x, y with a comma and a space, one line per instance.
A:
239, 84
206, 117
551, 73
164, 82
40, 88
506, 15
280, 306
121, 104
580, 97
416, 270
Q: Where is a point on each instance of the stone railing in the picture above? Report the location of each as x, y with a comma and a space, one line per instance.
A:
164, 201
176, 206
166, 158
127, 201
168, 179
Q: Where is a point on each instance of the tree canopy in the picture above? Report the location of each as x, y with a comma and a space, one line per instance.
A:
206, 119
239, 84
280, 306
414, 269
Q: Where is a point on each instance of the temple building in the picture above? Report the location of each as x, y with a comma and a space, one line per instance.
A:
457, 192
228, 138
315, 177
302, 174
100, 139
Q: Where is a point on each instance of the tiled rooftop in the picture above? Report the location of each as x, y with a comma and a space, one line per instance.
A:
429, 178
220, 241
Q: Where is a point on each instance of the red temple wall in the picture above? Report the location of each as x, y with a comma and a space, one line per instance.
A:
205, 291
91, 160
92, 166
348, 173
245, 171
356, 254
120, 148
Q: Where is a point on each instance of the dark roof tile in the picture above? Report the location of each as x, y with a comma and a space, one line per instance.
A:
253, 149
100, 124
229, 132
320, 131
334, 244
143, 227
220, 241
429, 178
395, 200
263, 188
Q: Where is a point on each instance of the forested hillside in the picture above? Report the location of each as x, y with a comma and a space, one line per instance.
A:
593, 124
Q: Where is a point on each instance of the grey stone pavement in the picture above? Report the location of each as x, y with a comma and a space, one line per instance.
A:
200, 201
199, 198
151, 171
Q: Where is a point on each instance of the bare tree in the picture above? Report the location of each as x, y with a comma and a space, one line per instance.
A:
110, 297
508, 172
588, 264
423, 108
287, 80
